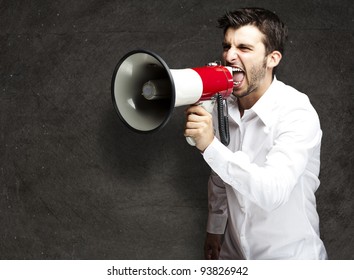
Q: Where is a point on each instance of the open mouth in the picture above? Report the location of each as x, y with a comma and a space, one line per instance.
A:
238, 76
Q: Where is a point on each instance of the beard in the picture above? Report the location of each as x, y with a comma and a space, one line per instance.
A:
256, 74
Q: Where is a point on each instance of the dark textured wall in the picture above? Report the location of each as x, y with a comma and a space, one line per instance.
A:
75, 183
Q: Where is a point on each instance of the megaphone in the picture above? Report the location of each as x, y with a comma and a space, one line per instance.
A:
145, 91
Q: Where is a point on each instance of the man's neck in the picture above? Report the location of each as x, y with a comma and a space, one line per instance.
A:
247, 102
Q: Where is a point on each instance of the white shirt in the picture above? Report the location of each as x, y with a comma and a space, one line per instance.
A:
262, 186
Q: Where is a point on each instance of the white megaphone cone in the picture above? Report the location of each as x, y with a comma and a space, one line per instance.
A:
145, 91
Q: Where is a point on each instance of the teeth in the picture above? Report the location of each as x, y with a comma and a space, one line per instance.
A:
234, 69
237, 69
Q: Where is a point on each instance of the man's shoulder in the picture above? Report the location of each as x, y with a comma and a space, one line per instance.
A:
290, 96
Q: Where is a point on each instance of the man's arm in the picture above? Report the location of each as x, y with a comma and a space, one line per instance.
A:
217, 216
270, 185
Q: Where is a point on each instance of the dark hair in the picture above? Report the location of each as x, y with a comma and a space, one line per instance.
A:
274, 30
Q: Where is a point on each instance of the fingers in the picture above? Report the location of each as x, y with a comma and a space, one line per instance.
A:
197, 110
212, 247
211, 254
197, 117
199, 126
194, 121
208, 254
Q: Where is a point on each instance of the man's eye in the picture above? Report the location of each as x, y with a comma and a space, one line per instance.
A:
245, 48
226, 47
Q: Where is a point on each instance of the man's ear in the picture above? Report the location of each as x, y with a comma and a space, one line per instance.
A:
274, 59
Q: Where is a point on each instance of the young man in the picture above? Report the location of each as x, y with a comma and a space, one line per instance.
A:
262, 186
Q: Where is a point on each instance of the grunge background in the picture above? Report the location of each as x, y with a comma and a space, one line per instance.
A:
75, 183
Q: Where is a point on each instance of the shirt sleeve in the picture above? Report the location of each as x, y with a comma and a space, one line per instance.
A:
217, 204
269, 186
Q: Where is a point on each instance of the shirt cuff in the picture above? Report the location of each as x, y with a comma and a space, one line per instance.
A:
217, 155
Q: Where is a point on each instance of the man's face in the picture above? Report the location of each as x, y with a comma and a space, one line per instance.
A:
244, 51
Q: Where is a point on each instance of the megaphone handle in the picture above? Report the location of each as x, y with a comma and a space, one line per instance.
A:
191, 141
207, 105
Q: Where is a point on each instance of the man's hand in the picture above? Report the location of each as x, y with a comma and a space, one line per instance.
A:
212, 246
199, 126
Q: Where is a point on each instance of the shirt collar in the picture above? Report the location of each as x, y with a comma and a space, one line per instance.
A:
264, 106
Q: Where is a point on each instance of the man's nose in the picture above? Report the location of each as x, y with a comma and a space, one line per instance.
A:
231, 55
